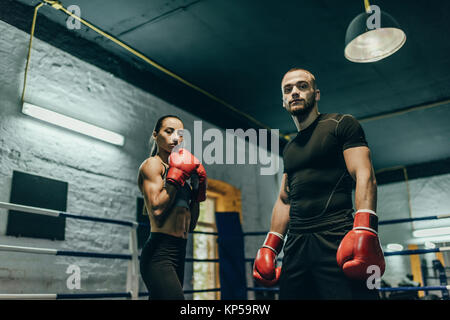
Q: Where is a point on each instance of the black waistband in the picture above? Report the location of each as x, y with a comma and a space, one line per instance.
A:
330, 221
160, 236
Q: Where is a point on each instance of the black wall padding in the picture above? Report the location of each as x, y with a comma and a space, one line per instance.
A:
36, 191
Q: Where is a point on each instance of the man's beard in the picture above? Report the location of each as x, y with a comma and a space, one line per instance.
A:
303, 112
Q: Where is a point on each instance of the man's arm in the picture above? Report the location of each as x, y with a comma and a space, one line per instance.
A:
361, 248
158, 196
359, 165
265, 270
280, 212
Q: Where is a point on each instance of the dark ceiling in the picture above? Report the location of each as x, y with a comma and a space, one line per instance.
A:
238, 50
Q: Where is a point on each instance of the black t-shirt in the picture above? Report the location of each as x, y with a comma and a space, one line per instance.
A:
320, 187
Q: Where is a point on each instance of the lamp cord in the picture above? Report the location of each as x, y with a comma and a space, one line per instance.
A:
367, 6
33, 26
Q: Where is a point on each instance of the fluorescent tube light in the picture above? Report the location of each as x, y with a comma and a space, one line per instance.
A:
394, 247
436, 239
431, 232
429, 245
72, 124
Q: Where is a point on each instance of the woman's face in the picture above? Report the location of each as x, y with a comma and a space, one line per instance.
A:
170, 134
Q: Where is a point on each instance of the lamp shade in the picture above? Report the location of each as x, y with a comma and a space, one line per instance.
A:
368, 45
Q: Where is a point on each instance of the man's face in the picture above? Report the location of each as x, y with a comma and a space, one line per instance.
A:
299, 95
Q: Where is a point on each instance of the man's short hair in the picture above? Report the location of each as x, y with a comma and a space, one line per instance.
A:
300, 69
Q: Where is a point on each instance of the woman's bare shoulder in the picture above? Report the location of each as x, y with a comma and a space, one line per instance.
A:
150, 167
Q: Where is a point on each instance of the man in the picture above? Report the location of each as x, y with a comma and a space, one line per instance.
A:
328, 252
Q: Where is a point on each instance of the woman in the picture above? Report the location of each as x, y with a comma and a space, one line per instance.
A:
172, 206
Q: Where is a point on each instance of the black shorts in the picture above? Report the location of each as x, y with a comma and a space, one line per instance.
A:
310, 271
162, 266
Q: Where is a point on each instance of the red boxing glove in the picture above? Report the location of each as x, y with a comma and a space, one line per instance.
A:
360, 247
202, 184
265, 270
181, 165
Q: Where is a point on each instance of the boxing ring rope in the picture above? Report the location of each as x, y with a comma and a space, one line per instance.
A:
417, 251
442, 216
253, 259
202, 260
202, 290
425, 288
133, 257
143, 224
65, 253
55, 213
132, 282
61, 296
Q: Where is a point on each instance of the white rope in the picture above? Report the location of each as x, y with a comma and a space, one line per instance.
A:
28, 249
29, 209
28, 296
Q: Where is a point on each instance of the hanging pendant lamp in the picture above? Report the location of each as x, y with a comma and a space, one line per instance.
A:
373, 35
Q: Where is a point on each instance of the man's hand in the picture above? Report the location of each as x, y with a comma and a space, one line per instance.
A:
265, 270
361, 248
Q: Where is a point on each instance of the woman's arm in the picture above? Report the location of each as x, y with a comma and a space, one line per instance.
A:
158, 196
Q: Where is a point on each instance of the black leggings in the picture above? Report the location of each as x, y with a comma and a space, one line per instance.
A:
162, 266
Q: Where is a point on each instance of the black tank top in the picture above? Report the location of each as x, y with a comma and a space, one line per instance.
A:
320, 187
